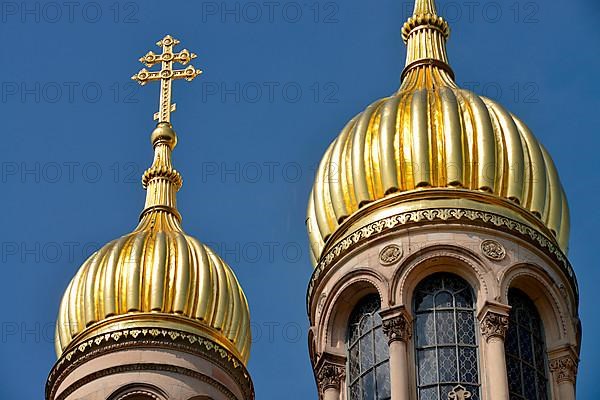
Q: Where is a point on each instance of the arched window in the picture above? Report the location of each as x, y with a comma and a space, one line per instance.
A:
368, 373
137, 391
525, 350
445, 339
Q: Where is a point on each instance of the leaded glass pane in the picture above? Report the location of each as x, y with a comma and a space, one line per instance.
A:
529, 383
444, 326
368, 353
366, 323
353, 363
443, 300
425, 329
464, 299
525, 350
424, 301
445, 340
465, 323
355, 393
514, 375
467, 357
525, 345
427, 367
474, 392
381, 346
447, 364
368, 384
383, 381
444, 390
428, 393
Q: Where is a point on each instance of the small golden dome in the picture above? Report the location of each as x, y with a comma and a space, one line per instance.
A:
156, 276
433, 143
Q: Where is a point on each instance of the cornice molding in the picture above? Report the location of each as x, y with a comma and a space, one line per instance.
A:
461, 216
148, 338
142, 367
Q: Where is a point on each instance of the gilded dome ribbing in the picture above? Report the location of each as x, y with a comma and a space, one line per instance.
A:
157, 276
434, 143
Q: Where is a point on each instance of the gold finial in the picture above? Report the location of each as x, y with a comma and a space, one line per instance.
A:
167, 74
425, 7
425, 34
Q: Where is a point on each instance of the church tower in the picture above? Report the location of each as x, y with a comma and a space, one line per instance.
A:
155, 314
439, 229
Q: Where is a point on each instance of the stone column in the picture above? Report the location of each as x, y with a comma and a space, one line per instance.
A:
398, 328
564, 370
494, 324
330, 377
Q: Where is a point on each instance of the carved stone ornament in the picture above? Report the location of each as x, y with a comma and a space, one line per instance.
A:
459, 392
146, 338
419, 217
493, 250
390, 254
494, 325
564, 369
397, 328
330, 376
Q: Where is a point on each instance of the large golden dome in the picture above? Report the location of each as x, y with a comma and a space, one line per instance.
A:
157, 276
432, 144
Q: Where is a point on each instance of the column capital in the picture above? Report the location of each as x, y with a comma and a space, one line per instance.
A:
493, 320
397, 324
563, 365
330, 371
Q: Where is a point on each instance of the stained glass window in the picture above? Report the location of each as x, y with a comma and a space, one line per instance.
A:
445, 340
368, 372
525, 350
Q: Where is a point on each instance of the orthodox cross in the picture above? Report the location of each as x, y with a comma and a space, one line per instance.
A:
166, 74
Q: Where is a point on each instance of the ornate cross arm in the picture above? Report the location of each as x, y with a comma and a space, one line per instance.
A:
183, 57
145, 76
166, 74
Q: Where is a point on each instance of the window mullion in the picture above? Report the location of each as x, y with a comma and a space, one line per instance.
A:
437, 349
456, 352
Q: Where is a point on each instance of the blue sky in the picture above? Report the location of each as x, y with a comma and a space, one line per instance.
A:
281, 79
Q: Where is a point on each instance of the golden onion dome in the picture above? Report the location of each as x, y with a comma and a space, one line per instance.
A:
433, 144
156, 276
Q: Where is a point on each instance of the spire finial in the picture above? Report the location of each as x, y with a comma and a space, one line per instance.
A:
425, 7
166, 74
425, 34
161, 181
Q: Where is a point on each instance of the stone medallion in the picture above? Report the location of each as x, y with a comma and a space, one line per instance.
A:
390, 254
493, 250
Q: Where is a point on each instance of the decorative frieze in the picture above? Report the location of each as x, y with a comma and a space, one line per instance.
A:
397, 328
449, 215
147, 338
564, 369
494, 325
